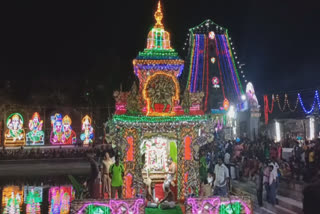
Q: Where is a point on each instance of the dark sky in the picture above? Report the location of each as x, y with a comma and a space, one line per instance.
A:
61, 44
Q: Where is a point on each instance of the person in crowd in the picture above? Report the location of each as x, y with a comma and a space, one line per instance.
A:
205, 189
116, 174
310, 195
259, 183
93, 182
272, 185
266, 175
210, 179
168, 201
106, 185
221, 175
171, 174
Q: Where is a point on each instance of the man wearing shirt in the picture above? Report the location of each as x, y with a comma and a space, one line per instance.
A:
272, 184
221, 174
116, 174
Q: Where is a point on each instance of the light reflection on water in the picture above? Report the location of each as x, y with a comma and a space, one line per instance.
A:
36, 199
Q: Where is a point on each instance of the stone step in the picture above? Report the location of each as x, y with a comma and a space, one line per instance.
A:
283, 190
298, 195
290, 203
286, 205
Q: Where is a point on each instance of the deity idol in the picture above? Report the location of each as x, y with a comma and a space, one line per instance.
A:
15, 134
56, 136
88, 132
36, 135
69, 136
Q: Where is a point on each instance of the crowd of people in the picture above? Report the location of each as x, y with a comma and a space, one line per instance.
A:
262, 161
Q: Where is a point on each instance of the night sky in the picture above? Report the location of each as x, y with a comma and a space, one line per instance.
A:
53, 44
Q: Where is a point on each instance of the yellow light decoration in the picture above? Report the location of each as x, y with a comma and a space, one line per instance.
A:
174, 98
213, 60
211, 35
164, 61
158, 16
226, 104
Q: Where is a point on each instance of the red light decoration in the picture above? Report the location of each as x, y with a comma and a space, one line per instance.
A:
267, 111
215, 81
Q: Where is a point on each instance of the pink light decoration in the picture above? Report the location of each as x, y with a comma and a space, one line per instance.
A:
198, 205
211, 35
115, 206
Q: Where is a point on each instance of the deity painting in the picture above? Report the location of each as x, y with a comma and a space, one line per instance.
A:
36, 135
12, 199
56, 136
88, 132
69, 136
33, 199
14, 135
60, 199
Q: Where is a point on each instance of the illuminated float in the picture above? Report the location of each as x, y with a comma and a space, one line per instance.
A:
156, 122
15, 134
153, 122
35, 136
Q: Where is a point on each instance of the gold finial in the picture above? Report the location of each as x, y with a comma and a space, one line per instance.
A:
158, 16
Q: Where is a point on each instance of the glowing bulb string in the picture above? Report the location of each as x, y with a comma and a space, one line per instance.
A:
197, 64
267, 110
231, 65
191, 59
224, 66
315, 100
207, 89
194, 62
234, 64
204, 64
221, 78
286, 104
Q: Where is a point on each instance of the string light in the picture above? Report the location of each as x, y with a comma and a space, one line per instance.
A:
267, 111
286, 103
316, 99
160, 119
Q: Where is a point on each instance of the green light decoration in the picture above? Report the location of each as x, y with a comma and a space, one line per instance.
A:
234, 208
162, 119
234, 64
92, 209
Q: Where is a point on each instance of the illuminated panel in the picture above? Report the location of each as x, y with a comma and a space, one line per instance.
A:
35, 136
87, 134
187, 148
174, 98
15, 134
132, 206
95, 209
60, 199
33, 199
12, 200
311, 127
62, 133
128, 182
278, 133
130, 150
216, 205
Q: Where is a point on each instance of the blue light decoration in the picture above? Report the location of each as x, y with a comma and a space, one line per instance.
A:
316, 99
